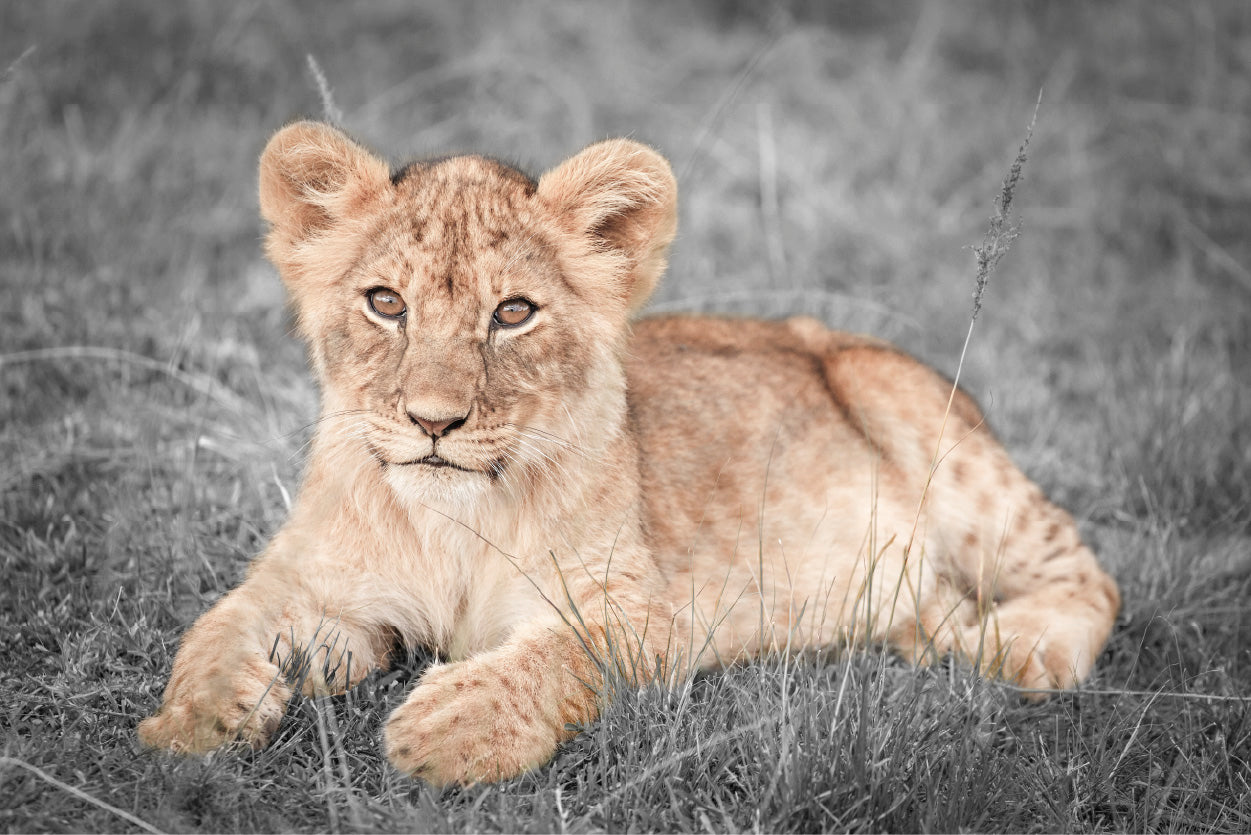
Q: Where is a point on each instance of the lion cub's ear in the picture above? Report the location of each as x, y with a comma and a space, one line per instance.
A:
312, 178
622, 196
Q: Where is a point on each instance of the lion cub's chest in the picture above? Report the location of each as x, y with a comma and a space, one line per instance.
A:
487, 613
467, 595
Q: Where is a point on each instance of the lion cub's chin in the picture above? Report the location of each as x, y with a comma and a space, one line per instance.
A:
443, 488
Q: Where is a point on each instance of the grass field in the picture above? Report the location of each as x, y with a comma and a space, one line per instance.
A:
838, 159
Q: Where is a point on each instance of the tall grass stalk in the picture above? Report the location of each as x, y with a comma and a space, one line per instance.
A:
1000, 234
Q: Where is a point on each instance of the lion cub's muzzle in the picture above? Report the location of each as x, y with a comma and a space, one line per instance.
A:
435, 440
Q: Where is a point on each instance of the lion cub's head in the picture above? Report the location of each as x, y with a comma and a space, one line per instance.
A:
466, 323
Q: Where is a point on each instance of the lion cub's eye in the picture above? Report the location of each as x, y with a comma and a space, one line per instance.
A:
513, 312
386, 303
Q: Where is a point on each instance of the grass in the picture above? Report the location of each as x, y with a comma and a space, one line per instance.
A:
835, 159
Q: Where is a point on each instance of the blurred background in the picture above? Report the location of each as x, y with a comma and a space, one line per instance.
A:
834, 158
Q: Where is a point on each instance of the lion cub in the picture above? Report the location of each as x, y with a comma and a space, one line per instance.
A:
513, 473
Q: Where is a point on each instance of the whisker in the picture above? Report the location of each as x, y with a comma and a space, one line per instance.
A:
541, 464
329, 416
573, 424
559, 445
526, 443
534, 433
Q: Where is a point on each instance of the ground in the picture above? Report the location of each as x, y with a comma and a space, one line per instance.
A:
834, 159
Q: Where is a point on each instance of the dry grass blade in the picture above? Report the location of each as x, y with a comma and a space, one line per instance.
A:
197, 382
329, 110
712, 121
80, 794
11, 69
995, 244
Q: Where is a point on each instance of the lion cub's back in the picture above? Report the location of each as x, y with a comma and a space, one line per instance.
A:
690, 372
724, 407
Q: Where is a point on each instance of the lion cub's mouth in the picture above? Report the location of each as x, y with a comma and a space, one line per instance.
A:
434, 460
437, 462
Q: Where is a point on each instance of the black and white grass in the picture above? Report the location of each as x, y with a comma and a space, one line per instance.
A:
840, 160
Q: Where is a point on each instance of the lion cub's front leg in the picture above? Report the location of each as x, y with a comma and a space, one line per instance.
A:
224, 686
230, 678
497, 714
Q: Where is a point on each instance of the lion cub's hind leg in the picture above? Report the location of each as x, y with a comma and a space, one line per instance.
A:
1018, 594
1045, 607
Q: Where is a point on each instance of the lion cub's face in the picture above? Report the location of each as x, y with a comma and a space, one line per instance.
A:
466, 322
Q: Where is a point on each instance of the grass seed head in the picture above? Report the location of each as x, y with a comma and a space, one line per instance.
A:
1003, 229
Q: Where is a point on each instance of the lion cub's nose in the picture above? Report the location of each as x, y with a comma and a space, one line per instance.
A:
436, 428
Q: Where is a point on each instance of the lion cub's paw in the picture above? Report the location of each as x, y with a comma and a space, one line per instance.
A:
206, 711
1015, 650
465, 723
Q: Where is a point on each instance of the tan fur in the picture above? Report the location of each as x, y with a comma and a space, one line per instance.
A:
648, 499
